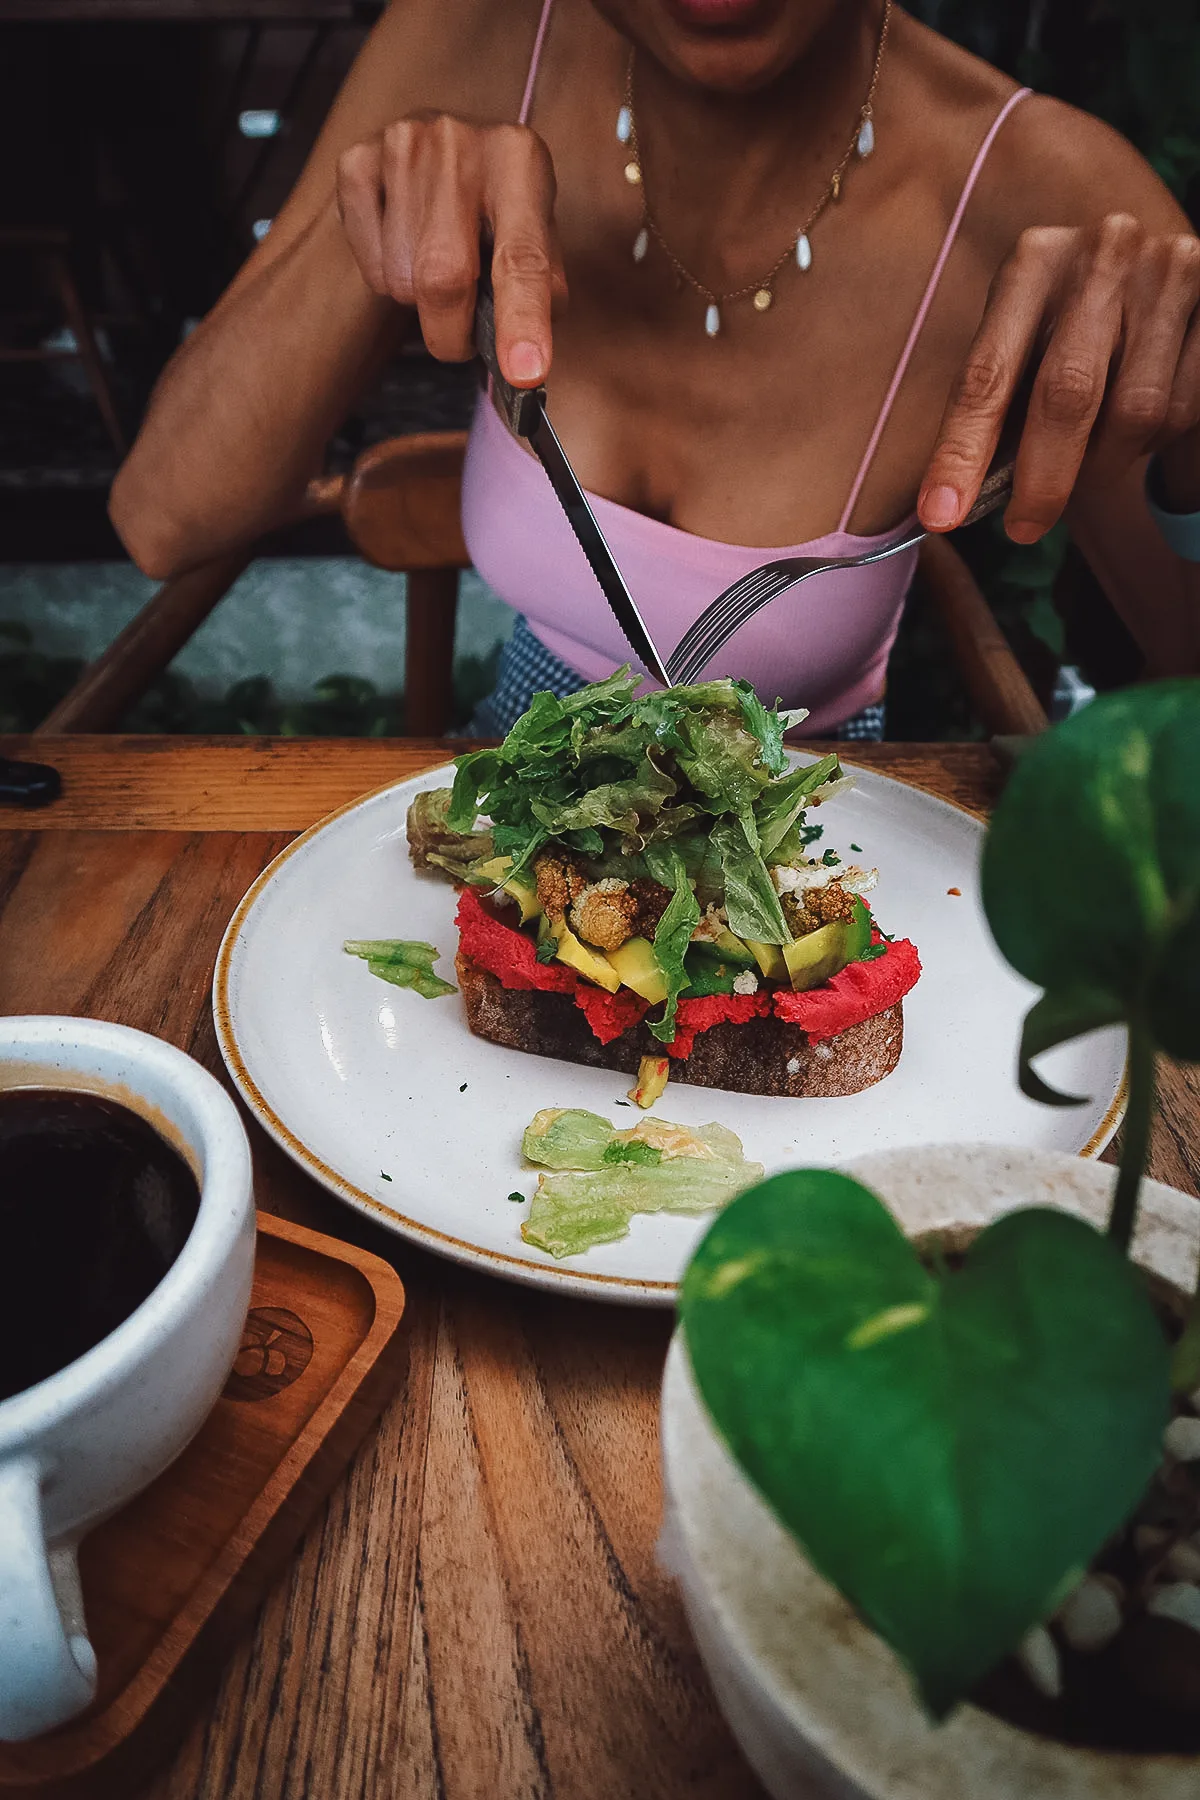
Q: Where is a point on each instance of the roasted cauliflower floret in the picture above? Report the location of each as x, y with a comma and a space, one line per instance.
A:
558, 883
830, 903
813, 907
603, 913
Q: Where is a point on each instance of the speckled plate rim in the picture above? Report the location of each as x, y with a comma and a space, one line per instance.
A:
587, 1283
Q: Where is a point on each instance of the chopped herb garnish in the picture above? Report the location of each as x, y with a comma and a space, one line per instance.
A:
383, 1176
516, 1197
872, 953
633, 1151
831, 858
857, 848
463, 1088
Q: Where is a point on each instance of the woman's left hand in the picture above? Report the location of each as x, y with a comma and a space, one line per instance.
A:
1111, 313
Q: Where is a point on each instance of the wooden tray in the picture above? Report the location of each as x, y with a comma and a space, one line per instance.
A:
171, 1581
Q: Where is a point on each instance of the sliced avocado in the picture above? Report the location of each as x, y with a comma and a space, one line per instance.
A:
637, 968
730, 949
523, 892
652, 1079
769, 958
816, 956
707, 974
592, 964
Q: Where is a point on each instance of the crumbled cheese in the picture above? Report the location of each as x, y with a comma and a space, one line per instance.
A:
795, 880
711, 926
746, 982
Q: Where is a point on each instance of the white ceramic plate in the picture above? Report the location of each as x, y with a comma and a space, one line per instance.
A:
390, 1102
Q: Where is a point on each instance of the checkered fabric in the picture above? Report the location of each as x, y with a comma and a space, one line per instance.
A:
528, 668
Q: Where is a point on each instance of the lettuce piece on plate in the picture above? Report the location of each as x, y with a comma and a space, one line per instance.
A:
603, 1176
403, 963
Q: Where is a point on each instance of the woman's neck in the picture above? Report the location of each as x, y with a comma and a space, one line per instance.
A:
737, 165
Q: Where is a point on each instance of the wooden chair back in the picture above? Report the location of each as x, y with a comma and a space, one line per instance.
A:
401, 508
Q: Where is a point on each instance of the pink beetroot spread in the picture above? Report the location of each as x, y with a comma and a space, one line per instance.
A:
857, 993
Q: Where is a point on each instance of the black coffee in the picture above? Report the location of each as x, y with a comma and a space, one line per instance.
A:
94, 1208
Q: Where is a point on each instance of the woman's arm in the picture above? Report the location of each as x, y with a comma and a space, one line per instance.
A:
239, 421
1100, 298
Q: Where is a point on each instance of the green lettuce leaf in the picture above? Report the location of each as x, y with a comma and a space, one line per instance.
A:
673, 933
780, 807
750, 898
402, 963
656, 1167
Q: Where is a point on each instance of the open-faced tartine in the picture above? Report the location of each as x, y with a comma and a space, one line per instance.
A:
639, 879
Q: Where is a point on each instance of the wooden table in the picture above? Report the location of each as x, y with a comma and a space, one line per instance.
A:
478, 1614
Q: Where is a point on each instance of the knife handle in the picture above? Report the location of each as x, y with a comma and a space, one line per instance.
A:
522, 407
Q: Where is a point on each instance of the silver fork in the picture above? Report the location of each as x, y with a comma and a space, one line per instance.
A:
730, 610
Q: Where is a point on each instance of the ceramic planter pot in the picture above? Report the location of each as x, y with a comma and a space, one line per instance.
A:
819, 1703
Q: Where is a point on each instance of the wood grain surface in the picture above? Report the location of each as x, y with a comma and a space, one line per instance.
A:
478, 1614
282, 784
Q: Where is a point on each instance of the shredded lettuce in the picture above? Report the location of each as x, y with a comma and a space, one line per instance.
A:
673, 932
403, 963
603, 766
603, 1176
750, 898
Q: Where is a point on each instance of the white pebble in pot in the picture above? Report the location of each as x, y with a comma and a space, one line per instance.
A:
1091, 1618
1181, 1439
1037, 1654
1179, 1601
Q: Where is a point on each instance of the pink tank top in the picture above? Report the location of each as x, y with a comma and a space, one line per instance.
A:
825, 645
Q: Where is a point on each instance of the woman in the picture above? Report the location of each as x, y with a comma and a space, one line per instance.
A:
782, 264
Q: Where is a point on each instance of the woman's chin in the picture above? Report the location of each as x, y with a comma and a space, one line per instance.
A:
729, 46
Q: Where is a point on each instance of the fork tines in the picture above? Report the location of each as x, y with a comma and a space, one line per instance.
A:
701, 642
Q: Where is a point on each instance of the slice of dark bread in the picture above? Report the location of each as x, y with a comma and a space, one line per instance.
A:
764, 1056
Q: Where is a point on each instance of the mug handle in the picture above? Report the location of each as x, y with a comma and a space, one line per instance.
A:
46, 1674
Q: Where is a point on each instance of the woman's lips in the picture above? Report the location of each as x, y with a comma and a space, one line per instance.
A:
719, 15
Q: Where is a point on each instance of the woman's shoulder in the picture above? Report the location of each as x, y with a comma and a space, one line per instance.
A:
1050, 164
468, 57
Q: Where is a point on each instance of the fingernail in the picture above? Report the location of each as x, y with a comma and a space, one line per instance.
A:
526, 362
1023, 531
939, 508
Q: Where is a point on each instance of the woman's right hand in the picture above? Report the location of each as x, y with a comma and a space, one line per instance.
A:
414, 201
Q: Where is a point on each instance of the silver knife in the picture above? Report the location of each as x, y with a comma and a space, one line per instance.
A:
525, 411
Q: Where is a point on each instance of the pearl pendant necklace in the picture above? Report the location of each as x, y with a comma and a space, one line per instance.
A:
761, 293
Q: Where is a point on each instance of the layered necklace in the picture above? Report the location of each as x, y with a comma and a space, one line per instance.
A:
760, 293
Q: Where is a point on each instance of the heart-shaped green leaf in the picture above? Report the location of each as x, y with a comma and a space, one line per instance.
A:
947, 1447
1091, 871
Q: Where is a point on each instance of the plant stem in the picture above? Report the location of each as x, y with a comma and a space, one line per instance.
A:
1138, 1114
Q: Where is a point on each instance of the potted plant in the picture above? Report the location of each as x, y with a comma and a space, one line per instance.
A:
932, 1468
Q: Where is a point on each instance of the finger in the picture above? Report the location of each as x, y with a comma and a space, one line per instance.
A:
445, 264
1160, 306
989, 378
527, 271
1183, 413
1069, 389
359, 196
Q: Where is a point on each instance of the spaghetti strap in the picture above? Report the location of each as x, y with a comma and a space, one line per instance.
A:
535, 59
927, 301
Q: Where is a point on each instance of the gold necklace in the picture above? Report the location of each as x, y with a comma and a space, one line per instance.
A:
799, 245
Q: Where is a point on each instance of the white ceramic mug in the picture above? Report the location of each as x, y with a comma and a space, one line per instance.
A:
78, 1445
